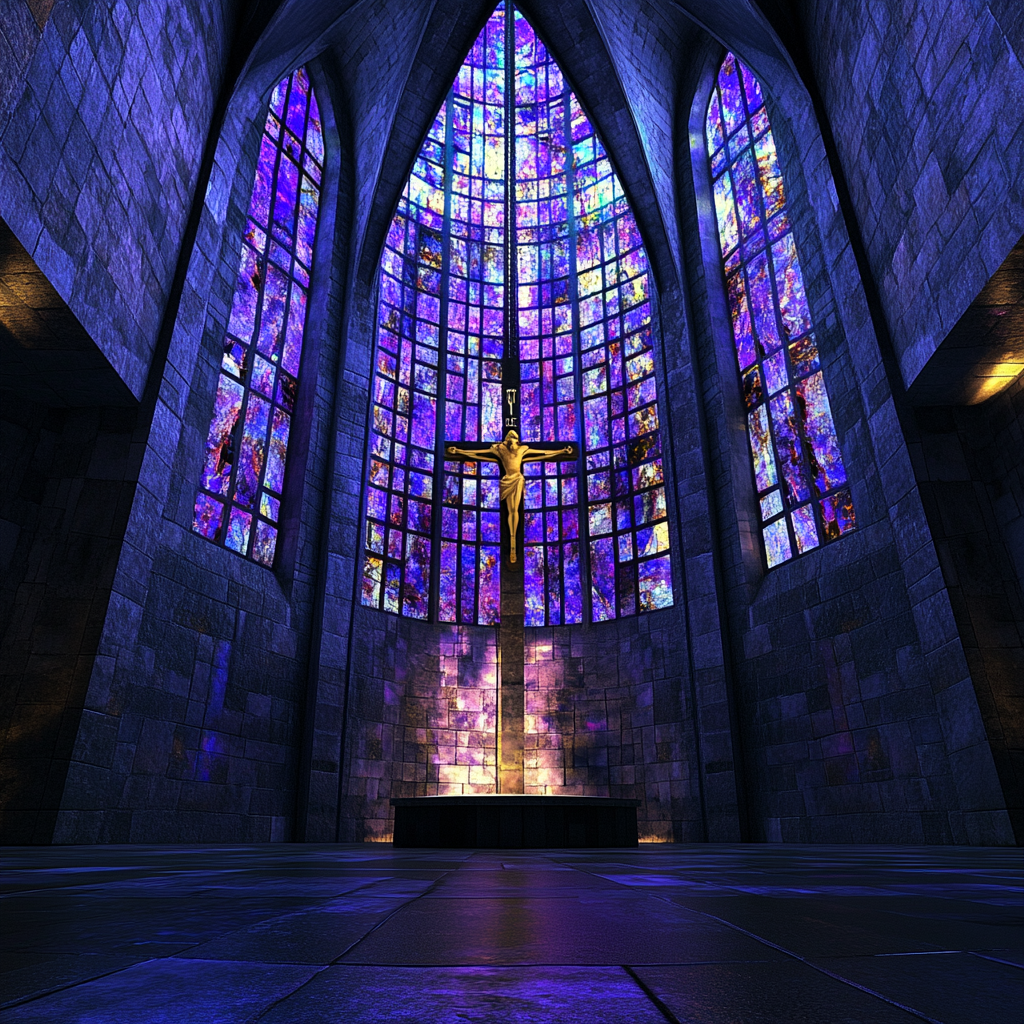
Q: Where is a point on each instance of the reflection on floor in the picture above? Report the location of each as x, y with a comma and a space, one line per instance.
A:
749, 934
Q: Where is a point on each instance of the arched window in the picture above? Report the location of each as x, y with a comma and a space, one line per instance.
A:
798, 467
512, 142
239, 500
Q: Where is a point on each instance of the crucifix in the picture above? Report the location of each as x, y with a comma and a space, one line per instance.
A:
510, 454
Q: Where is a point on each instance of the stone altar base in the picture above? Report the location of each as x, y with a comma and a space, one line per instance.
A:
514, 821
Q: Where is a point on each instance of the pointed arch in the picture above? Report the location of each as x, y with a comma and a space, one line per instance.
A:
797, 464
596, 533
239, 498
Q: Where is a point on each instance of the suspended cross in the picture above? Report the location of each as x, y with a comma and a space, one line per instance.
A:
510, 454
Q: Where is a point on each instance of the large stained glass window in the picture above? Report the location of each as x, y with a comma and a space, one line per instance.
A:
569, 286
239, 501
798, 467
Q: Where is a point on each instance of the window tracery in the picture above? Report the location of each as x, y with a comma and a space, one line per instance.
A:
798, 468
239, 500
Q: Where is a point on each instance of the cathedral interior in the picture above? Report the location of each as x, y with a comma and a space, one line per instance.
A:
756, 266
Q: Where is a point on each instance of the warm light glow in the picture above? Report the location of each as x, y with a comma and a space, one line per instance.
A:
998, 379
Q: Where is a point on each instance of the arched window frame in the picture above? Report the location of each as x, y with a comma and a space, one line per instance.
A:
787, 524
638, 533
242, 485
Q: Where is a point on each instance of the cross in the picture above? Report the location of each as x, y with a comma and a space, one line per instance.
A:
510, 454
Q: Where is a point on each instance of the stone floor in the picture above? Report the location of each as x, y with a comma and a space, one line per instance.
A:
292, 934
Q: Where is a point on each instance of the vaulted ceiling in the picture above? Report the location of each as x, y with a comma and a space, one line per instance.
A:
393, 63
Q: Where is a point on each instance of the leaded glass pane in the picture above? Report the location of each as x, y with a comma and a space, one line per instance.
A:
238, 504
595, 530
792, 437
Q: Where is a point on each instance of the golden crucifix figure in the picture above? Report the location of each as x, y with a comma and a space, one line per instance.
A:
511, 455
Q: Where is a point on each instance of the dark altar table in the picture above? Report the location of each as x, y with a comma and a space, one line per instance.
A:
514, 821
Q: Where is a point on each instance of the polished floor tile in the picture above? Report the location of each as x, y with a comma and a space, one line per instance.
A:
703, 934
752, 993
455, 995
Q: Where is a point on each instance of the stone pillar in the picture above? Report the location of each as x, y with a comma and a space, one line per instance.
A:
511, 705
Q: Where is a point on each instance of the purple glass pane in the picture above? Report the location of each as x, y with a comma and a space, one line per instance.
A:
314, 130
595, 423
243, 305
209, 516
775, 375
286, 199
264, 544
239, 524
490, 585
761, 448
655, 584
804, 356
714, 124
392, 587
776, 543
751, 87
309, 199
770, 175
728, 232
262, 379
602, 590
744, 182
279, 95
449, 575
742, 332
732, 101
752, 390
259, 202
764, 304
533, 582
554, 585
652, 540
295, 118
252, 451
293, 335
467, 583
837, 514
771, 506
804, 528
272, 320
796, 317
372, 572
415, 592
825, 460
375, 537
278, 450
220, 442
790, 450
573, 587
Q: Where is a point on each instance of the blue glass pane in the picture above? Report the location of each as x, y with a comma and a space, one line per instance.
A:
792, 435
247, 442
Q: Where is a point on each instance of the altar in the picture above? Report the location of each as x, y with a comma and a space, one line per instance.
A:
509, 821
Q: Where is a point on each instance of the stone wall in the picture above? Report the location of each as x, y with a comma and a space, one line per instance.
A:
924, 103
606, 715
969, 469
858, 715
101, 151
193, 718
63, 508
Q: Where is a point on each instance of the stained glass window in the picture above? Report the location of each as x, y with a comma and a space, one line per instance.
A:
239, 501
596, 531
798, 467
